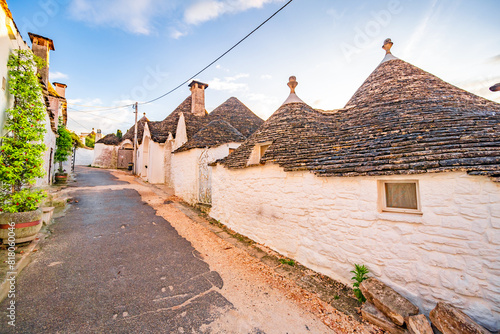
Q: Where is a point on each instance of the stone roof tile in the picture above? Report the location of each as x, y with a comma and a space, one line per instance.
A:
216, 133
110, 139
402, 120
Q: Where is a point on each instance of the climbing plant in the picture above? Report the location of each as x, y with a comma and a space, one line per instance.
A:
64, 145
22, 148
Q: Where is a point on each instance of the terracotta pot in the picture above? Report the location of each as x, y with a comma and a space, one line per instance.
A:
61, 177
27, 225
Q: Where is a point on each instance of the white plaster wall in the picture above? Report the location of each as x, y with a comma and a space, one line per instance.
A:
138, 167
84, 156
185, 171
449, 253
49, 166
156, 163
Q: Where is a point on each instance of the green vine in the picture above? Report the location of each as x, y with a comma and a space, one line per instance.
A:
21, 150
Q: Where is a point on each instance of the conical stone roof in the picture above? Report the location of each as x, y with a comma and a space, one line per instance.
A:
140, 130
216, 133
238, 115
110, 139
402, 120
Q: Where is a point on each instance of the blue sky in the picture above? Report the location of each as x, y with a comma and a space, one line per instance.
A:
115, 52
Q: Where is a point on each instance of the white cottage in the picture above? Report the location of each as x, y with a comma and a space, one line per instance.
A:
163, 155
403, 179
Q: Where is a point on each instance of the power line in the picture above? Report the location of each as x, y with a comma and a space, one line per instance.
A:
83, 126
218, 58
97, 107
199, 72
104, 108
90, 112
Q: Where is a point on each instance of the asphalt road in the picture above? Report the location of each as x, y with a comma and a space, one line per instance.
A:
112, 265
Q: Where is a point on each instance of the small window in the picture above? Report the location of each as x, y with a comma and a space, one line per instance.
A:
231, 150
399, 196
258, 152
263, 149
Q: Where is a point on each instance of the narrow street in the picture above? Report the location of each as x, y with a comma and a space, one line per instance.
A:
112, 265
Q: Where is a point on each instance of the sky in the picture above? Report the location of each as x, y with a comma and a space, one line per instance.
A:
116, 52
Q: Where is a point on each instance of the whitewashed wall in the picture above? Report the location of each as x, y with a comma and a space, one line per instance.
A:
49, 165
84, 156
449, 253
156, 163
185, 169
105, 156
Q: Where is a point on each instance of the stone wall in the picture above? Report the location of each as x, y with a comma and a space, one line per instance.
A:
105, 156
449, 253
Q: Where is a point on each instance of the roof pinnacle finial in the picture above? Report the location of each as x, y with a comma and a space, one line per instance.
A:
292, 84
387, 45
495, 88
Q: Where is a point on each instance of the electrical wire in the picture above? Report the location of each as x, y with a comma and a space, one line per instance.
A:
199, 72
90, 112
83, 126
218, 58
97, 107
108, 108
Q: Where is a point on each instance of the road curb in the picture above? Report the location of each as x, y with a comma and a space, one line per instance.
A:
21, 264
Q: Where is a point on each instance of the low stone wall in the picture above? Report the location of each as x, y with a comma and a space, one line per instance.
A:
105, 156
448, 253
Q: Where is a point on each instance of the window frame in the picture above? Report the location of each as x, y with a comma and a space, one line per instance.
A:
382, 197
257, 153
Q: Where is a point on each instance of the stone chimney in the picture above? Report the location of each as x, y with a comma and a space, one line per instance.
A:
41, 47
60, 89
198, 97
98, 135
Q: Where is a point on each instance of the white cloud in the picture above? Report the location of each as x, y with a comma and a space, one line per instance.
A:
176, 34
266, 76
229, 83
130, 15
206, 10
57, 76
141, 17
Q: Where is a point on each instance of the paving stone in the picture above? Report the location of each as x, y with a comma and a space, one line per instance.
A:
388, 301
418, 324
450, 320
371, 314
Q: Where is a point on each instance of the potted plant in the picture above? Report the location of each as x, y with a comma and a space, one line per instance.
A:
21, 151
64, 148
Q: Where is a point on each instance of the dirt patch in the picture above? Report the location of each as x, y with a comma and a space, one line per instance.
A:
268, 294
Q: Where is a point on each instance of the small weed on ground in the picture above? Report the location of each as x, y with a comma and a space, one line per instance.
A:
360, 272
290, 262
